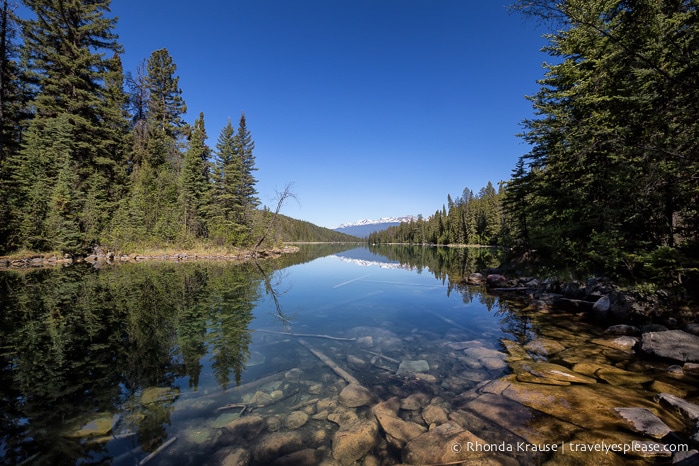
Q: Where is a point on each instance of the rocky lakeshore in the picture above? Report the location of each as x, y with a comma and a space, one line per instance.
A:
100, 258
560, 395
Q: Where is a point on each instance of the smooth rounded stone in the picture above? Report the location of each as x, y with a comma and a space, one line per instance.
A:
354, 396
296, 420
276, 445
246, 427
549, 372
671, 344
675, 371
355, 362
624, 343
643, 421
623, 329
654, 328
293, 375
415, 401
400, 431
544, 347
320, 416
684, 408
496, 280
410, 367
200, 435
355, 440
475, 278
434, 414
693, 329
493, 364
481, 352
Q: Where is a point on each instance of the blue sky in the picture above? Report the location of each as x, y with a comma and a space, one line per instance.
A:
372, 108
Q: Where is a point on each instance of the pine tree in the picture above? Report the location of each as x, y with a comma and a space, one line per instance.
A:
194, 181
244, 146
225, 206
66, 42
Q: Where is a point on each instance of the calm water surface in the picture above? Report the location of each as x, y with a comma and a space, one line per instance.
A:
206, 363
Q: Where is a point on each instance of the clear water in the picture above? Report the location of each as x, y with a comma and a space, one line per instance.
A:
151, 363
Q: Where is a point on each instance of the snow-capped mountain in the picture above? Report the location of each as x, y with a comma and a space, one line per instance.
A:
363, 228
366, 221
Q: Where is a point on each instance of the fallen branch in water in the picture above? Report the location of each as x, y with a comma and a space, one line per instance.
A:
157, 451
309, 335
329, 362
250, 406
381, 356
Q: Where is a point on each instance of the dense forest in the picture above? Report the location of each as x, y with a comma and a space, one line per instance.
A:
611, 183
612, 180
91, 155
475, 219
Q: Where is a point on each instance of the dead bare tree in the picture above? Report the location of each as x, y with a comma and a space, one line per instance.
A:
281, 198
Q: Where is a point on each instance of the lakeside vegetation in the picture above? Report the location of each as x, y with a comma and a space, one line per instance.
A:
610, 183
92, 156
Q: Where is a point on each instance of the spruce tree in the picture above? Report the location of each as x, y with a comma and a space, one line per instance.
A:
244, 146
67, 42
194, 181
225, 207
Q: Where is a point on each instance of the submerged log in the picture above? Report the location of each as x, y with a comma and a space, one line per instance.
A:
329, 362
308, 335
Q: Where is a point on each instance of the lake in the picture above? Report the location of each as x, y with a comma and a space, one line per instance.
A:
332, 355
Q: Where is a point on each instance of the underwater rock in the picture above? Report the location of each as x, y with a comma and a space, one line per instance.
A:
515, 351
671, 344
276, 445
437, 446
544, 347
305, 457
410, 367
611, 374
224, 419
355, 362
624, 343
158, 394
354, 440
101, 425
434, 414
343, 416
398, 431
246, 427
230, 456
684, 408
296, 420
389, 407
354, 396
623, 329
588, 406
415, 401
548, 373
643, 421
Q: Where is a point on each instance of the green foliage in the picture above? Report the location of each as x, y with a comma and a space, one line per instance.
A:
609, 178
470, 219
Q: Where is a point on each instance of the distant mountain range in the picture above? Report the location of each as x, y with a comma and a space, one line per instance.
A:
363, 228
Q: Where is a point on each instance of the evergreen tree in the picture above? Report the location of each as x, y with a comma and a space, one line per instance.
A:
194, 181
244, 146
615, 137
66, 42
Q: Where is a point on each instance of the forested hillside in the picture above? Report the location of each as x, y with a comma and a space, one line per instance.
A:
92, 155
469, 219
612, 180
